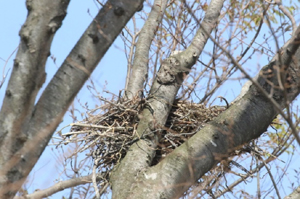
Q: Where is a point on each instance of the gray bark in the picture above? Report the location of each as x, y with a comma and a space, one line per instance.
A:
127, 175
245, 120
294, 195
28, 75
24, 124
59, 186
139, 70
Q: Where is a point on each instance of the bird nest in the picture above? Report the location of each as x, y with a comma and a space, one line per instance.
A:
107, 136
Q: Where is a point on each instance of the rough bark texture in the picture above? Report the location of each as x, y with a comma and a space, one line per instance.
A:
126, 177
139, 70
294, 195
23, 124
28, 75
179, 170
133, 178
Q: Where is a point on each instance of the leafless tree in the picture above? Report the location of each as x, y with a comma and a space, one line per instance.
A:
174, 36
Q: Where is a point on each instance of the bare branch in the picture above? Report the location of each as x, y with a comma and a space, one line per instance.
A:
59, 186
94, 178
286, 12
4, 74
139, 70
278, 65
226, 133
28, 73
272, 179
168, 80
20, 121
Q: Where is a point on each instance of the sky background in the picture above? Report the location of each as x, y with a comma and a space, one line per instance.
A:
80, 13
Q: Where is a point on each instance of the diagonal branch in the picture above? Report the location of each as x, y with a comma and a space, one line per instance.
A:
278, 66
294, 195
169, 78
28, 75
60, 186
141, 57
228, 131
39, 125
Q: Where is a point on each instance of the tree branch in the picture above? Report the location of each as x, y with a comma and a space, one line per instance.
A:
294, 195
218, 139
28, 75
62, 185
139, 70
39, 125
169, 78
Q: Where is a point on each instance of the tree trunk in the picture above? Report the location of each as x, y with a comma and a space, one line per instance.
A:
24, 123
243, 121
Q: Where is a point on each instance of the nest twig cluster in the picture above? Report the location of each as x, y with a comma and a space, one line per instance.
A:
109, 134
185, 119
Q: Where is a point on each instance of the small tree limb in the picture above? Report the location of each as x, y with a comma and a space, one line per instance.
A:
139, 70
59, 186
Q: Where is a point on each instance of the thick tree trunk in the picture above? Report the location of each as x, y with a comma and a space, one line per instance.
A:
28, 75
245, 120
125, 178
22, 123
